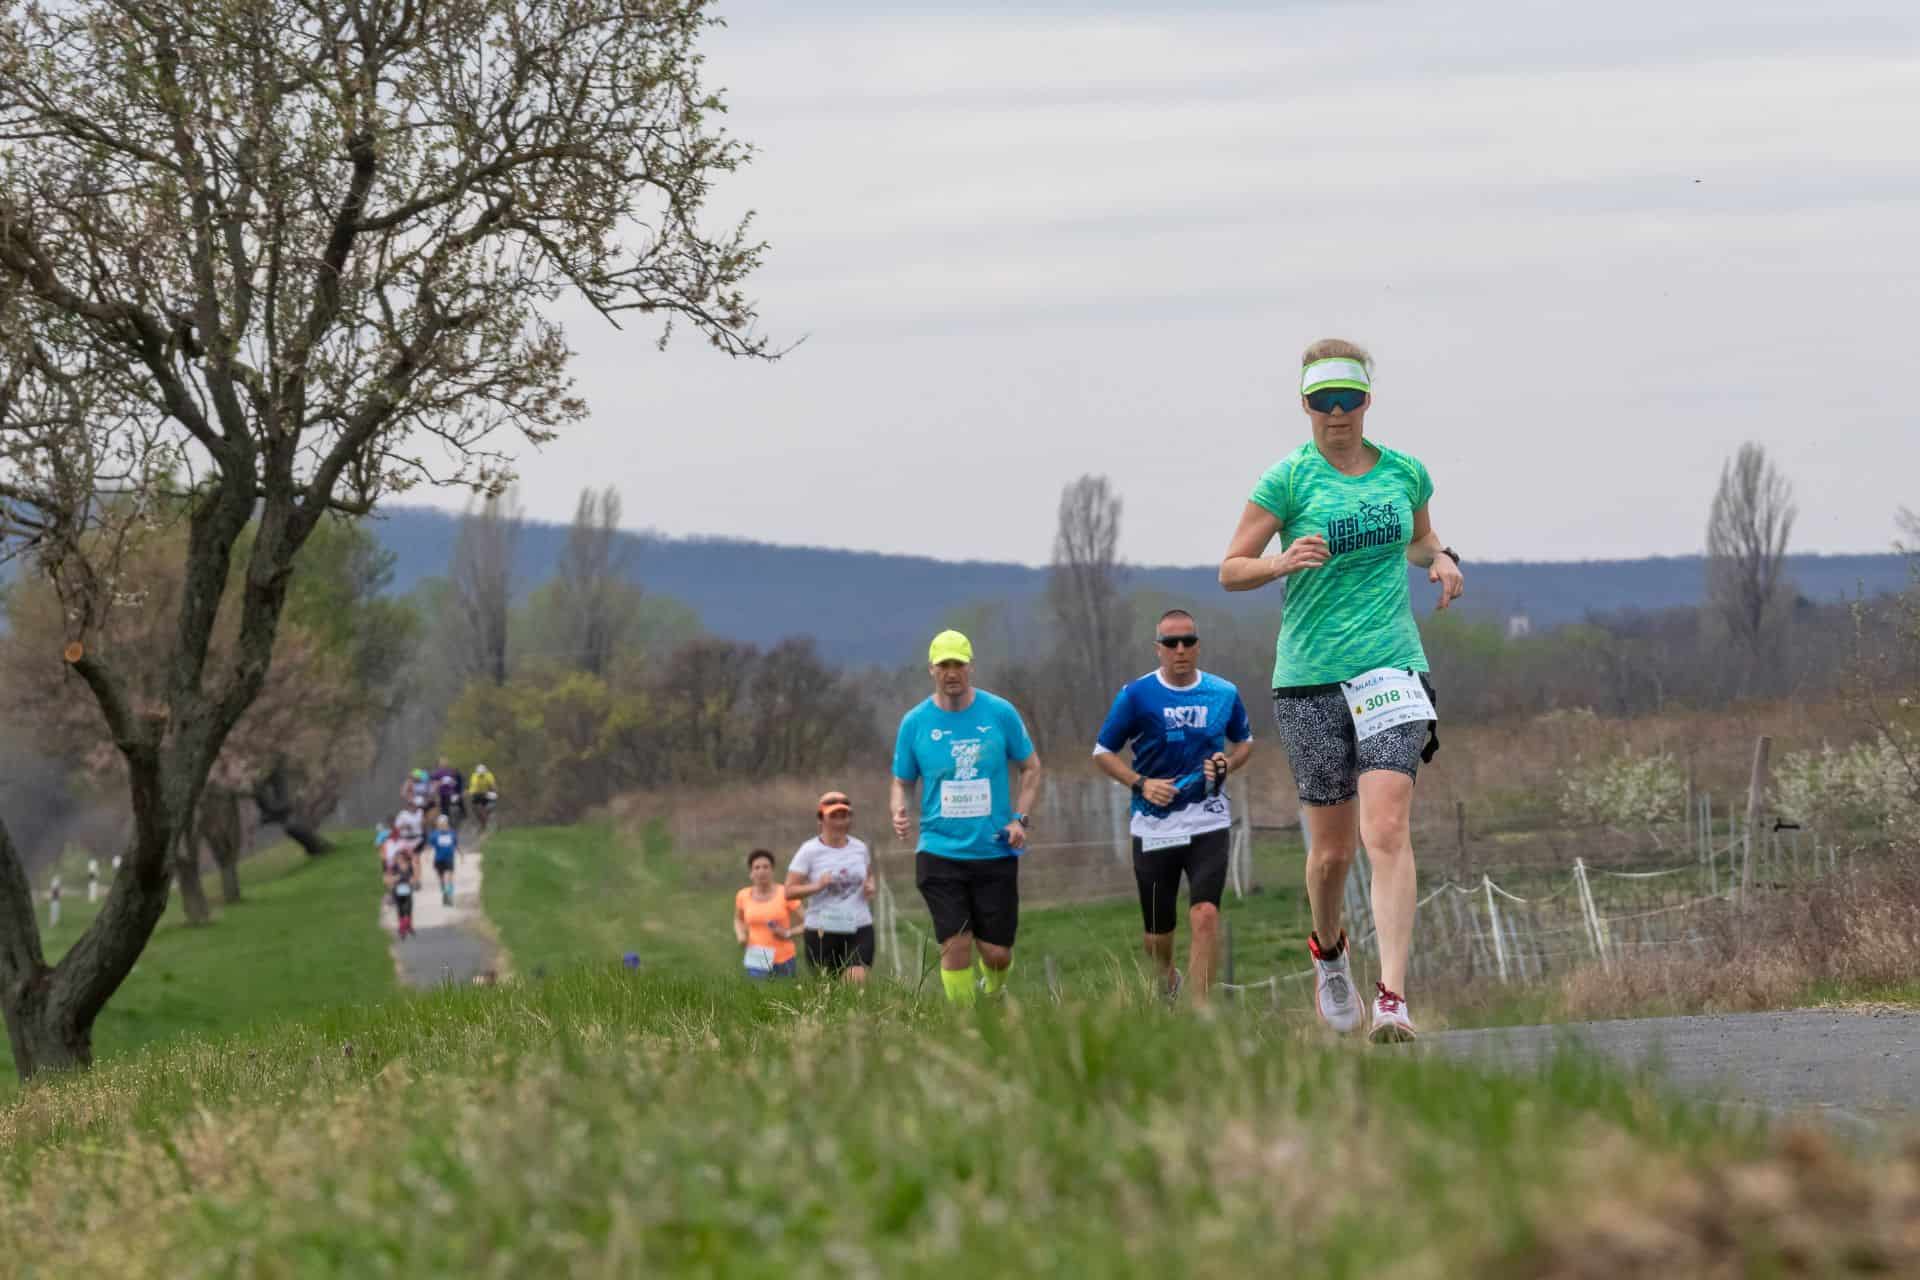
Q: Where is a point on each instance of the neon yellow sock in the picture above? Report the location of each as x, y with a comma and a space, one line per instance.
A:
997, 978
959, 985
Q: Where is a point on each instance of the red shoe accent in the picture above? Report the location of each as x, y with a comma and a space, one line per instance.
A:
1391, 1001
1322, 954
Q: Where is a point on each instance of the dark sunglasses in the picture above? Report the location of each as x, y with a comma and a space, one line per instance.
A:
1177, 642
1336, 400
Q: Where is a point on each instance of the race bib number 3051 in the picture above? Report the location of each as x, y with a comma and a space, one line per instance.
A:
1385, 698
972, 798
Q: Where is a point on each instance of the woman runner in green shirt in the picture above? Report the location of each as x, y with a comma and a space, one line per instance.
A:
1351, 695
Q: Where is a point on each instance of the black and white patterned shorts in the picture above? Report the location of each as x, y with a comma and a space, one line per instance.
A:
1317, 731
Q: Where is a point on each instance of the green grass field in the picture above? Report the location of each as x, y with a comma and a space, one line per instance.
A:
304, 937
591, 1121
561, 895
602, 1123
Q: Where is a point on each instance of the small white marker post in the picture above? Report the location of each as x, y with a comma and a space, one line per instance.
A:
53, 904
93, 879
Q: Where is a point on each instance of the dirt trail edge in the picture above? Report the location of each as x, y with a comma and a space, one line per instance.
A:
450, 944
1859, 1071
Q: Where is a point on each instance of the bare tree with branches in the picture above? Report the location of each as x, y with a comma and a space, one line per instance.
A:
1084, 592
267, 259
593, 601
482, 573
1747, 532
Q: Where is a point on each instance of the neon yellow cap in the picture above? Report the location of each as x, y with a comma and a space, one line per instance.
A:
950, 646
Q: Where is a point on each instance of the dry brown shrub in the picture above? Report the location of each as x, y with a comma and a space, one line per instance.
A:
1858, 928
1809, 1209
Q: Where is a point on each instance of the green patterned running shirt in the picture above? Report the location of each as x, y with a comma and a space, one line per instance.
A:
1353, 613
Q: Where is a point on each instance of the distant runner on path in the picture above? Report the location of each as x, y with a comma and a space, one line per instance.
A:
959, 745
1351, 696
833, 874
763, 922
449, 791
446, 844
403, 878
483, 791
1188, 731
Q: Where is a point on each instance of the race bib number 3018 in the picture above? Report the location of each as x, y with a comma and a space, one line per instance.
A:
972, 798
1385, 698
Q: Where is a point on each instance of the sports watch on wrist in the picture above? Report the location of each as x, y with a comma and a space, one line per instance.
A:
1023, 820
1453, 555
1139, 786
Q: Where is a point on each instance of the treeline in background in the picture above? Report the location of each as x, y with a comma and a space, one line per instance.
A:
585, 686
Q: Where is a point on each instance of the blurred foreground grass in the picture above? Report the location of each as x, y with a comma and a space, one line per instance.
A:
601, 1122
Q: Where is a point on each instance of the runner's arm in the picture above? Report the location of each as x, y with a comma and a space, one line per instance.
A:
739, 923
898, 800
798, 886
1110, 763
1246, 567
1428, 551
1029, 783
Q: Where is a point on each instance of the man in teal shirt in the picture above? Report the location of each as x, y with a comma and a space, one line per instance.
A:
960, 746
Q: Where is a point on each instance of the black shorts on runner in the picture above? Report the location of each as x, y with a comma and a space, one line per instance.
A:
835, 952
980, 896
1204, 861
1317, 731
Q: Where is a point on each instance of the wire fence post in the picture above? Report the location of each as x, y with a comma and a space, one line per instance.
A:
1594, 933
1756, 786
1493, 920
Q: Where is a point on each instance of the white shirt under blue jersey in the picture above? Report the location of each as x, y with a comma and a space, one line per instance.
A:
1172, 731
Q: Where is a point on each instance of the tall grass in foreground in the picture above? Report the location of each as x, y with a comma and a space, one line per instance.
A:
605, 1123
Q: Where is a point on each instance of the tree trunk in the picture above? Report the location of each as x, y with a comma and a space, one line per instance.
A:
186, 875
306, 837
43, 1036
43, 1030
220, 828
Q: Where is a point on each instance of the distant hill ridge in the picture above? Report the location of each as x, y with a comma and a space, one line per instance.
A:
872, 607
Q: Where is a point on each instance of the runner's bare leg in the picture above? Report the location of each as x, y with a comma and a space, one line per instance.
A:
1386, 800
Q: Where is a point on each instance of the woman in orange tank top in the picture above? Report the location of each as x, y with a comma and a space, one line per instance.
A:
762, 921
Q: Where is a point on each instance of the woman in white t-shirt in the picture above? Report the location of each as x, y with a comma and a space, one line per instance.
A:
833, 873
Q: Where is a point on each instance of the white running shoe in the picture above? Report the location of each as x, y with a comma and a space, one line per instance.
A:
1391, 1025
1333, 994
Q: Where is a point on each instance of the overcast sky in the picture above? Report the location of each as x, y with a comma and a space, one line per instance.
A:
1592, 247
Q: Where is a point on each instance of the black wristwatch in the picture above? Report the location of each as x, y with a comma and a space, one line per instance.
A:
1453, 555
1023, 820
1139, 787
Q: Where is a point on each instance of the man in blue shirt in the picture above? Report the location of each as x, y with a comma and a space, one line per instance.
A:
1188, 730
958, 745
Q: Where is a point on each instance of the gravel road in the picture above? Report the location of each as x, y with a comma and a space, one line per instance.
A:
1857, 1071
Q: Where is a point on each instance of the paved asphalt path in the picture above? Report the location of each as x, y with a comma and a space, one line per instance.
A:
1859, 1071
449, 944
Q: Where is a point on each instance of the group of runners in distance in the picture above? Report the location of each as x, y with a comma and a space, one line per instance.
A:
1353, 706
433, 806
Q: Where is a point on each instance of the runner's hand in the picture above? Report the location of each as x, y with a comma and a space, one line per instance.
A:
1159, 792
1445, 572
1309, 552
902, 826
1016, 835
1216, 766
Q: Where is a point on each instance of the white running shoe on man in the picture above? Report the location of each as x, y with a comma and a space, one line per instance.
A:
1391, 1025
1333, 994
